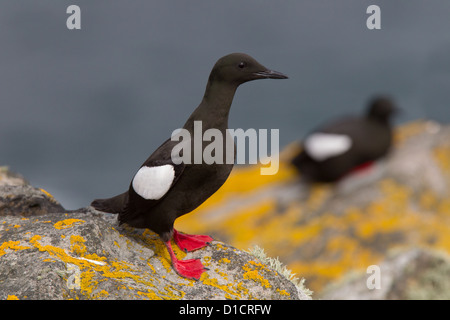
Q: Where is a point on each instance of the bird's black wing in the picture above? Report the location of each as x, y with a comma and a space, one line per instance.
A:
152, 182
120, 203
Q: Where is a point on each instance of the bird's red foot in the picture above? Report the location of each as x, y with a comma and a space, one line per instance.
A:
363, 167
190, 269
190, 242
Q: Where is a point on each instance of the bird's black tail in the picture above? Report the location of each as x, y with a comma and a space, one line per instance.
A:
112, 205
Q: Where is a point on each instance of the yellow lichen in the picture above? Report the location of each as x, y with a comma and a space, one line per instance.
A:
224, 260
230, 288
283, 292
442, 156
93, 273
220, 246
11, 245
252, 273
101, 294
149, 294
206, 261
173, 293
222, 274
46, 193
77, 244
67, 223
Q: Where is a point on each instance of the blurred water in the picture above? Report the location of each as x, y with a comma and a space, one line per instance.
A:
81, 110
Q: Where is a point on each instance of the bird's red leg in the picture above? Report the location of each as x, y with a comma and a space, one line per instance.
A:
190, 269
190, 242
362, 167
358, 169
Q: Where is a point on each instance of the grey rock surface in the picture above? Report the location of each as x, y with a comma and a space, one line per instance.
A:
415, 274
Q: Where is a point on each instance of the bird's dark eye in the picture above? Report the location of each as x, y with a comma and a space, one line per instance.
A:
242, 65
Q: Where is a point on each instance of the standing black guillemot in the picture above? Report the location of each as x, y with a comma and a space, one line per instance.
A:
161, 191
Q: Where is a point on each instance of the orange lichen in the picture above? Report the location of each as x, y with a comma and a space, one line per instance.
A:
101, 294
283, 292
46, 193
150, 294
442, 156
11, 245
67, 223
77, 244
252, 269
91, 273
231, 289
224, 260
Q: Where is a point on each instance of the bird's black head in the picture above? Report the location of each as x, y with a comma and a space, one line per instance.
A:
382, 108
238, 68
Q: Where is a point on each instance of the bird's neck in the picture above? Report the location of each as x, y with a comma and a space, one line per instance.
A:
379, 119
214, 109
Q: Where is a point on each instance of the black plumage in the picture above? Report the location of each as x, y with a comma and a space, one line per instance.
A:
353, 142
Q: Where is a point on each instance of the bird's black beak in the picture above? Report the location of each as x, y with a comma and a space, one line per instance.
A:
270, 74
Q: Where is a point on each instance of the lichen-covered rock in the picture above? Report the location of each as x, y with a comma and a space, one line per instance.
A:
86, 255
324, 231
415, 274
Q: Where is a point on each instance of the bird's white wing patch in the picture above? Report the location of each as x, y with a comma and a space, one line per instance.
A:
152, 183
321, 146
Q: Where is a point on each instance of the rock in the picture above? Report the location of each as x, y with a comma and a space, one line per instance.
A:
49, 253
17, 197
8, 178
24, 200
324, 231
415, 274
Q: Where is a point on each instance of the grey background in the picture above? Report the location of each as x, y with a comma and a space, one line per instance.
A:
81, 110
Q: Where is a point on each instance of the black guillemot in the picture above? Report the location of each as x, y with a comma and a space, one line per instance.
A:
161, 191
344, 145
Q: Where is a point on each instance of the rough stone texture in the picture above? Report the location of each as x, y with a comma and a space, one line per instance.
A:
17, 197
25, 201
415, 274
86, 255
